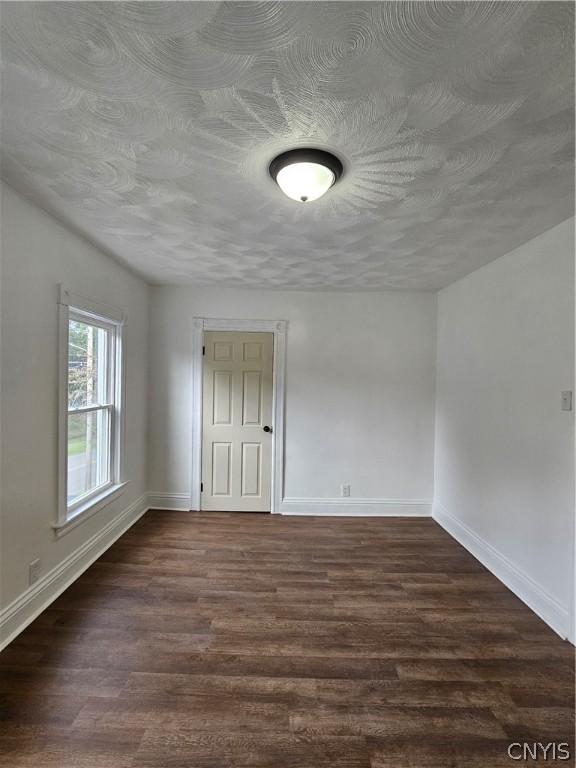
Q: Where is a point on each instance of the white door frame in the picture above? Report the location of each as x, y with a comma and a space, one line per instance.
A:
278, 329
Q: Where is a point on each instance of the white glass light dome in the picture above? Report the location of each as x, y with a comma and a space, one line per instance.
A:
305, 181
305, 175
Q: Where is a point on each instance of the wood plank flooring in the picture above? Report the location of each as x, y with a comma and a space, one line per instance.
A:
252, 641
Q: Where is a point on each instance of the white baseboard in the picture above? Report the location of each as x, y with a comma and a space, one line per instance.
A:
314, 506
17, 615
522, 585
176, 502
350, 507
22, 611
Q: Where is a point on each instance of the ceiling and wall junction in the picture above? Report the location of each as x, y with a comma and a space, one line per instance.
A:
149, 128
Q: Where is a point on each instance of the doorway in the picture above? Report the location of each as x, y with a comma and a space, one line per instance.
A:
236, 421
238, 415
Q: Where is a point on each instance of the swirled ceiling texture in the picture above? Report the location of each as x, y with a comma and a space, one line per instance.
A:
149, 127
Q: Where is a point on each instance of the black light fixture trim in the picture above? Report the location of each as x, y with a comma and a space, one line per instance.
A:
306, 155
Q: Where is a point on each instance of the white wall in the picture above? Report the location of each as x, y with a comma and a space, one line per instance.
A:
504, 467
37, 254
360, 402
360, 388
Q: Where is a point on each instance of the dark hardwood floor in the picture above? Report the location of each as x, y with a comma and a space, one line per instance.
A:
252, 641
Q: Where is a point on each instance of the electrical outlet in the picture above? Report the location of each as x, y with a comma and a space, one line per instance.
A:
345, 491
34, 571
566, 402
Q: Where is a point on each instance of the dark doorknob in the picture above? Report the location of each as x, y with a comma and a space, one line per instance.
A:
267, 429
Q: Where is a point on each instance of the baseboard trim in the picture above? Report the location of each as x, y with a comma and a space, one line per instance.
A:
344, 507
518, 582
351, 507
22, 611
172, 502
16, 616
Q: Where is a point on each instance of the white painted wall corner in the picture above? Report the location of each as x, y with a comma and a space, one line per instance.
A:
524, 587
170, 502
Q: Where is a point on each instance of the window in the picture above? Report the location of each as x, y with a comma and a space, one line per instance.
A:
91, 407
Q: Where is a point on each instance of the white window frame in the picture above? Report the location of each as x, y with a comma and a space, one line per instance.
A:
71, 307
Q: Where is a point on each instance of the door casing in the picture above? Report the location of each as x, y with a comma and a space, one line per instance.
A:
279, 329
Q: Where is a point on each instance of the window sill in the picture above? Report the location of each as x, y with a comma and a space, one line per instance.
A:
93, 505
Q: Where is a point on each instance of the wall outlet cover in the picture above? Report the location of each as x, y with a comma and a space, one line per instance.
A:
566, 400
345, 491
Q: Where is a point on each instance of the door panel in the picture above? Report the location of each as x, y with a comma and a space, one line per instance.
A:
237, 392
222, 351
221, 469
251, 469
222, 403
252, 351
252, 399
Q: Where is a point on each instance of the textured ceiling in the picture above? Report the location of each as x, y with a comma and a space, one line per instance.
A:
149, 127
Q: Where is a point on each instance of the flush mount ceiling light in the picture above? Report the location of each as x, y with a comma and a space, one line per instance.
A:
305, 174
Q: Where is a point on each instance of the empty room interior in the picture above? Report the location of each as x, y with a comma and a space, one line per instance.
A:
287, 378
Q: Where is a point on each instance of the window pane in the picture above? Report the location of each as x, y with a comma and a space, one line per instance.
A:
87, 362
88, 452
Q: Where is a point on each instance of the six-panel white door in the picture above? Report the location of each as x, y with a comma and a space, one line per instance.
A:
237, 412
